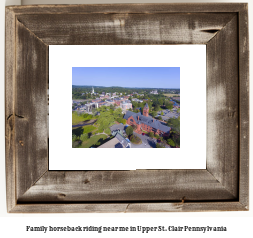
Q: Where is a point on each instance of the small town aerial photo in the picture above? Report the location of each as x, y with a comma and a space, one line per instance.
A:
125, 107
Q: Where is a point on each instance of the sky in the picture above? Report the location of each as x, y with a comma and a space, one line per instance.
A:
141, 77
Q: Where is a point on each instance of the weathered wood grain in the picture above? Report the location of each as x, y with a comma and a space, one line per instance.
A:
129, 207
9, 108
129, 8
140, 185
132, 29
243, 106
186, 207
223, 186
30, 108
223, 107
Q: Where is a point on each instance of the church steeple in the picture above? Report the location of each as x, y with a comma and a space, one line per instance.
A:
146, 110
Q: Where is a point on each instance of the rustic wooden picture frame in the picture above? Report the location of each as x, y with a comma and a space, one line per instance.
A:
223, 186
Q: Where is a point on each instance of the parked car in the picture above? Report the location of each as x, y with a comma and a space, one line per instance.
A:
143, 134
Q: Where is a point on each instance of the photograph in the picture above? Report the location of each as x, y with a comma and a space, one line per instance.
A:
137, 102
125, 107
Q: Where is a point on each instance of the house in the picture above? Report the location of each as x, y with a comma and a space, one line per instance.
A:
117, 142
146, 123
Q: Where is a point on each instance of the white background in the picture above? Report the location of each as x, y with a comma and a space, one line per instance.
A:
239, 223
192, 75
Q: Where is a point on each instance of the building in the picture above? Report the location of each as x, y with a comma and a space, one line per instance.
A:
146, 123
105, 97
111, 102
146, 110
176, 98
92, 90
117, 101
117, 142
154, 92
125, 105
90, 106
96, 100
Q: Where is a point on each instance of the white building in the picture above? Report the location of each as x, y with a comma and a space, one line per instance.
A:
154, 92
125, 105
90, 106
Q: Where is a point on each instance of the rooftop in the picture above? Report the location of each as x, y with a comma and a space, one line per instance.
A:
147, 121
117, 142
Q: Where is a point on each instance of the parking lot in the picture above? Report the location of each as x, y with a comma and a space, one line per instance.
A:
167, 114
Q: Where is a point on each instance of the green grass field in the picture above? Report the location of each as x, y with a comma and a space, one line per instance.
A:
84, 129
88, 129
93, 140
171, 95
76, 118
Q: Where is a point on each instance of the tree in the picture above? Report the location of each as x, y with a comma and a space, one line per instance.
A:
171, 142
105, 120
129, 130
153, 114
162, 113
84, 137
175, 137
118, 113
157, 107
134, 104
175, 124
168, 105
151, 134
135, 139
123, 121
119, 120
75, 137
160, 118
160, 145
108, 131
160, 101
